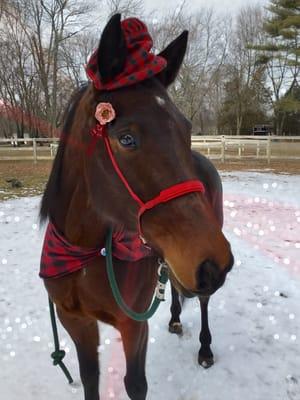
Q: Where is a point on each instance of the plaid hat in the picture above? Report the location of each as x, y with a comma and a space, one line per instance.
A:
140, 63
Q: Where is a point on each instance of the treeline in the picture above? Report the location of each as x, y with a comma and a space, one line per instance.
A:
240, 71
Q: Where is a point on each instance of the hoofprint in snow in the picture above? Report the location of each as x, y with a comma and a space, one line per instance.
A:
254, 318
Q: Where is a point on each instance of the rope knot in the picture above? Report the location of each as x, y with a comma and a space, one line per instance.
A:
58, 356
98, 131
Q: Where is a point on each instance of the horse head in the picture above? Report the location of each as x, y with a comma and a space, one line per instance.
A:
151, 142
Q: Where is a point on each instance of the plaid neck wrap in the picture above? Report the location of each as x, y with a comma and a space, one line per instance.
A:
140, 64
59, 257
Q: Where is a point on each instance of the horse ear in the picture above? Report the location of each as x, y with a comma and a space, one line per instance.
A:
112, 50
174, 54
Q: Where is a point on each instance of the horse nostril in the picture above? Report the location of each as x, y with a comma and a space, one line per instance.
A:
209, 277
230, 264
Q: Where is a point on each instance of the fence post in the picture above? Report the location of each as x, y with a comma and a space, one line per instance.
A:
34, 150
223, 148
269, 149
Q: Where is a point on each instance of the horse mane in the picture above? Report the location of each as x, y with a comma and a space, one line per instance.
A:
54, 182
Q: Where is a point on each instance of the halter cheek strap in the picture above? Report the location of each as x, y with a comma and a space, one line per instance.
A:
172, 192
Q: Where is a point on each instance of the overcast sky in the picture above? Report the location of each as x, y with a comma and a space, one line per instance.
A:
224, 5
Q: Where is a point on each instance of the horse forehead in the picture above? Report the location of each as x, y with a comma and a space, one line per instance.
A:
150, 93
144, 102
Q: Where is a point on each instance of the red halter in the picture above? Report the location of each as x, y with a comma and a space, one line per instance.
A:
172, 192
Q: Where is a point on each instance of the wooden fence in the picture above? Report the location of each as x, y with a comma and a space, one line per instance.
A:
223, 148
248, 147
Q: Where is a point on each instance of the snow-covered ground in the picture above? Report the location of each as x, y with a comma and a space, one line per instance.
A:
254, 319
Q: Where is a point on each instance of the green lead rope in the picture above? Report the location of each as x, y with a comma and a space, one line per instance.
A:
59, 354
159, 291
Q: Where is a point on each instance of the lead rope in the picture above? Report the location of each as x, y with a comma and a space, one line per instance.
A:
159, 291
58, 354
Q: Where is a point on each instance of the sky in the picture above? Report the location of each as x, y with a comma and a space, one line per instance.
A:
224, 5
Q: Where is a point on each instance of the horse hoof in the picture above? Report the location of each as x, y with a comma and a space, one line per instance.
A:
176, 327
205, 362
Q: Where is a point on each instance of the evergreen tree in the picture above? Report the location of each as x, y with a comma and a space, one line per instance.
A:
291, 118
244, 104
284, 26
282, 44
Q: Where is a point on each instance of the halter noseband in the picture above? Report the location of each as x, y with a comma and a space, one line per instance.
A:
172, 192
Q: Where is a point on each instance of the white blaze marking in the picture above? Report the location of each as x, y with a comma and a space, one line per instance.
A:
160, 101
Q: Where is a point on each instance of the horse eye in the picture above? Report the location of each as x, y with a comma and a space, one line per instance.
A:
127, 141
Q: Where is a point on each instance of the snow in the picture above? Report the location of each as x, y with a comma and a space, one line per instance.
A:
254, 319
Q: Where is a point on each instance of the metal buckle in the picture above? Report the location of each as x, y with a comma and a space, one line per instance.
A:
161, 264
160, 291
143, 240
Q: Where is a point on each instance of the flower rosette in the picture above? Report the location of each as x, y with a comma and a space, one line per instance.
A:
105, 113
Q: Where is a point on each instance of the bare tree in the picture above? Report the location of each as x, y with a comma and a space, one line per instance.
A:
2, 5
127, 8
46, 43
35, 72
76, 52
194, 91
245, 81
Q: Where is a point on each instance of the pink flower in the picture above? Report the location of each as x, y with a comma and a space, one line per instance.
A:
105, 113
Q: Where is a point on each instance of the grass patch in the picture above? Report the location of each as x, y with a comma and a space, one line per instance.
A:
33, 178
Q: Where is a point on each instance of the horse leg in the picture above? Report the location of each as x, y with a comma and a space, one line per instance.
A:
135, 337
84, 332
205, 355
175, 325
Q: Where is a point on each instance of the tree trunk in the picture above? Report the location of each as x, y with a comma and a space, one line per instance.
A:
239, 122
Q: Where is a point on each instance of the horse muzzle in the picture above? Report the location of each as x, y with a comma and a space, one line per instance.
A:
210, 277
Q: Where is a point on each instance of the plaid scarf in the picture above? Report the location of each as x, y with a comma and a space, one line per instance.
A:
140, 63
59, 257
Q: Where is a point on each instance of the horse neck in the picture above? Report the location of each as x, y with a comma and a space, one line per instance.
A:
73, 212
74, 216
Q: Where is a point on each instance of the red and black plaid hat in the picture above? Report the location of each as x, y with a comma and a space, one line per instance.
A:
140, 64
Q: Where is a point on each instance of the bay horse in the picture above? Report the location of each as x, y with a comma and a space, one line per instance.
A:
151, 142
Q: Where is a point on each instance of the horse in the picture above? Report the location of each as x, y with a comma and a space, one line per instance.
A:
150, 141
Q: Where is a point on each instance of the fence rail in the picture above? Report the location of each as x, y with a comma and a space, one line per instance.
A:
222, 148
